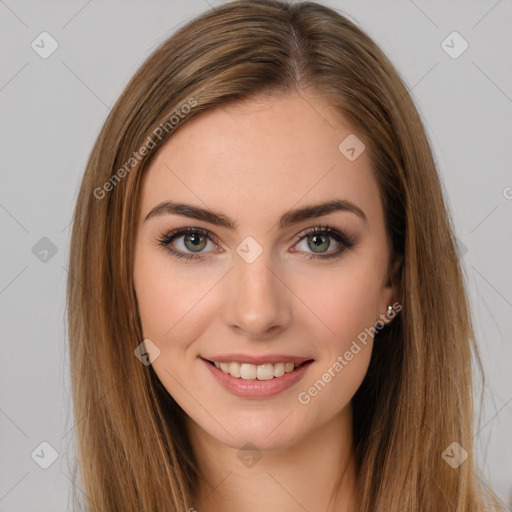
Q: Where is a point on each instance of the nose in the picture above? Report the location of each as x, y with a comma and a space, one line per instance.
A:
258, 303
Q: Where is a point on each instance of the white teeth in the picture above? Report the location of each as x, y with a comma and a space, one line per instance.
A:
279, 370
248, 371
235, 369
260, 372
265, 372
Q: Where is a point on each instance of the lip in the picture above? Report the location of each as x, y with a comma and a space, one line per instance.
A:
254, 388
263, 359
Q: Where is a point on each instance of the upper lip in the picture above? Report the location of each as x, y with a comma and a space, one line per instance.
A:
256, 360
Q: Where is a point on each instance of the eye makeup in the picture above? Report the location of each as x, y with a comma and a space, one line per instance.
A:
345, 242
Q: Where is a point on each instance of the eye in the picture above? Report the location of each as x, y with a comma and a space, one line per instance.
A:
187, 239
190, 243
318, 240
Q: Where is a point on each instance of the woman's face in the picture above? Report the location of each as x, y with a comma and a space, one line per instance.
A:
253, 287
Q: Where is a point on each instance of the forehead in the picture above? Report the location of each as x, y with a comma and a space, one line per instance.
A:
262, 156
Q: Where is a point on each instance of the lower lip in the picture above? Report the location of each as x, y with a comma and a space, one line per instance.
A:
257, 388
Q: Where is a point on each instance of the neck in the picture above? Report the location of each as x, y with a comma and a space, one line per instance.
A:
317, 473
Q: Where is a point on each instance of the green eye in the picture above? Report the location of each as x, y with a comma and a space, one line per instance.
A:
194, 240
317, 240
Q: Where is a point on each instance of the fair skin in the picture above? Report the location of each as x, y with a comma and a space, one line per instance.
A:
253, 162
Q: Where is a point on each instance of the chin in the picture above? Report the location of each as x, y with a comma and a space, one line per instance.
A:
272, 432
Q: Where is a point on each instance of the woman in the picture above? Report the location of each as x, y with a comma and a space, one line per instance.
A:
266, 308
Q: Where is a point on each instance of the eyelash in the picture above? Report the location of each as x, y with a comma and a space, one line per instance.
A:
346, 241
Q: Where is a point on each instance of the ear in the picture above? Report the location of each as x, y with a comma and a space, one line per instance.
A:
392, 281
389, 292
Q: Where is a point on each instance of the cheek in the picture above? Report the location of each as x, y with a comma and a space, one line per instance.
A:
342, 304
174, 308
346, 304
173, 303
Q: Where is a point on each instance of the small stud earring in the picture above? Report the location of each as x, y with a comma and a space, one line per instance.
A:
390, 313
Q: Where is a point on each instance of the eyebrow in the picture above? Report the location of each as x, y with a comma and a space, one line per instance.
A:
289, 218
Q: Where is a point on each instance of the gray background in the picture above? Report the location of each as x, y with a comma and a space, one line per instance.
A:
52, 110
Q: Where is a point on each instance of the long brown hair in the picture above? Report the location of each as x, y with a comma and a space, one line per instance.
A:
416, 399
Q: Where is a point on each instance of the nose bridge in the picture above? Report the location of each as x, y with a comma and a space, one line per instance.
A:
257, 302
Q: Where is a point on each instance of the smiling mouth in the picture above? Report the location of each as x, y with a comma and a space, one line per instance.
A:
265, 371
